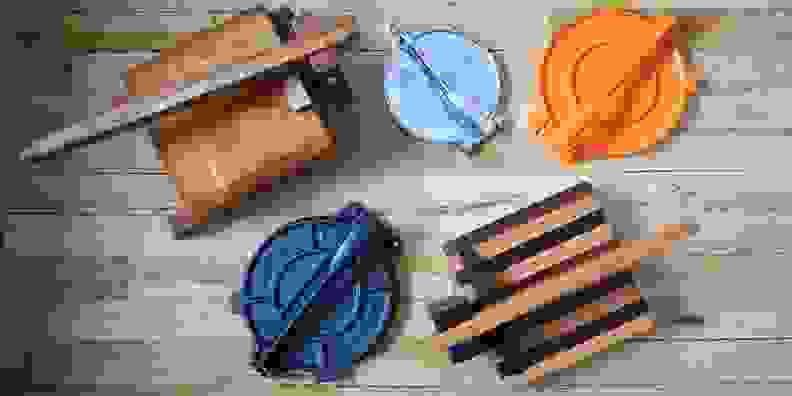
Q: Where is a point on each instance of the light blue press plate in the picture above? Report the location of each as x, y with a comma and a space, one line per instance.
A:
469, 70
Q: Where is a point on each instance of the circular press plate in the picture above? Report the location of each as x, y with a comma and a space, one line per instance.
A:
469, 70
312, 300
586, 61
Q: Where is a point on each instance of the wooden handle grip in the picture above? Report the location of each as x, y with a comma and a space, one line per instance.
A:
245, 39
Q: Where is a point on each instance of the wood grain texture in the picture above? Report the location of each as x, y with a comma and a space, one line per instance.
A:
701, 364
114, 275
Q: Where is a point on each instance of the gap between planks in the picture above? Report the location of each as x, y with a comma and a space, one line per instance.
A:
630, 171
138, 52
628, 340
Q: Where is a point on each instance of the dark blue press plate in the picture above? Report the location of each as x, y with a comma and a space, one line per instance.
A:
314, 298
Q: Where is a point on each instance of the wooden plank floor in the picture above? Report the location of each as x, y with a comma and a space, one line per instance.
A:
122, 308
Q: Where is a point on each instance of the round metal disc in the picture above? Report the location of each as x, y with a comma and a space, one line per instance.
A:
470, 72
352, 311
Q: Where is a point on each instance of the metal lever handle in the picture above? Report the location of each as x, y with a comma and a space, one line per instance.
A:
453, 102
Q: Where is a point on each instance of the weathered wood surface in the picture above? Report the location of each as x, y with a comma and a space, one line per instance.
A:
107, 281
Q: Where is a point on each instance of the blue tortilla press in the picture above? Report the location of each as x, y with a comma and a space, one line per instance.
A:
318, 294
443, 87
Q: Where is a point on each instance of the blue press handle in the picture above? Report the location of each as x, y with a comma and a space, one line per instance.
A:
408, 44
453, 102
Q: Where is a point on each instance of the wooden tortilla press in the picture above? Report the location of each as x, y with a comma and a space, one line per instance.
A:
231, 143
552, 287
611, 84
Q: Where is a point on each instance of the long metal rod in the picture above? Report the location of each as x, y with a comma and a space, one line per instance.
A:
144, 107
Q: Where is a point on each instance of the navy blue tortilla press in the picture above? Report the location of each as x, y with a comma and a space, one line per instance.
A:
319, 293
443, 87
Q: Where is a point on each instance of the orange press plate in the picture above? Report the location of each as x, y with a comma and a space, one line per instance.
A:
583, 64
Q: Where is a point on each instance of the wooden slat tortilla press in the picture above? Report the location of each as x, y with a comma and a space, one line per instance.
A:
611, 84
226, 145
552, 284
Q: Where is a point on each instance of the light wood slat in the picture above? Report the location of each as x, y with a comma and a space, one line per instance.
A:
624, 258
570, 248
599, 344
553, 217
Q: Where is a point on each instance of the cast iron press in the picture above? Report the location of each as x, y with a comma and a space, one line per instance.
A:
443, 87
319, 293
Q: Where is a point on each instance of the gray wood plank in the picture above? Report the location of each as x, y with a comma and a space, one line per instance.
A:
675, 285
110, 249
118, 195
746, 199
184, 360
95, 280
112, 194
250, 385
674, 366
687, 284
147, 242
732, 119
417, 216
370, 14
754, 110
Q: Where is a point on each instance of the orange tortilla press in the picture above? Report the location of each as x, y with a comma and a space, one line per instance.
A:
611, 84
